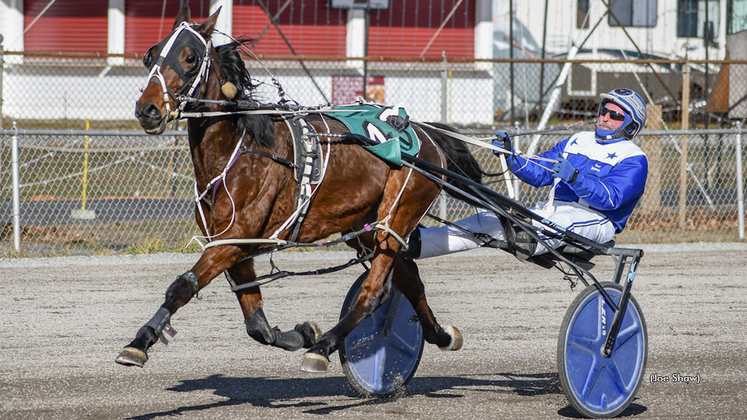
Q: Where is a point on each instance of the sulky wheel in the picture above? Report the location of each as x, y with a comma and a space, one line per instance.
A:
597, 386
383, 352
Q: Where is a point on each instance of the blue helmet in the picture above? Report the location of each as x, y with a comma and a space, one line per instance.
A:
635, 114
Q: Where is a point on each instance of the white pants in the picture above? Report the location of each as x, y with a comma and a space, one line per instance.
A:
578, 219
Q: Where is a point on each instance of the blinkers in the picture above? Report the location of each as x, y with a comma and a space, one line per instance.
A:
169, 51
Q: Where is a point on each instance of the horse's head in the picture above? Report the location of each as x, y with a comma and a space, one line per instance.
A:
179, 67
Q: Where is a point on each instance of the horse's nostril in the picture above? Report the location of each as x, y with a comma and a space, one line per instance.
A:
152, 111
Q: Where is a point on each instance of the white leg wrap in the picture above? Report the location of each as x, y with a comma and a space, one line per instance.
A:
447, 239
456, 338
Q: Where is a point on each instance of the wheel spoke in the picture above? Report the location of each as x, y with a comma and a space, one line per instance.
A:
582, 343
624, 335
617, 378
379, 364
404, 345
591, 378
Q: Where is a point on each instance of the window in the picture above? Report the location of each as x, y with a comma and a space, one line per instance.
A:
736, 16
582, 14
691, 18
640, 13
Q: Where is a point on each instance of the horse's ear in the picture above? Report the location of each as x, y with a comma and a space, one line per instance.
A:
182, 16
206, 29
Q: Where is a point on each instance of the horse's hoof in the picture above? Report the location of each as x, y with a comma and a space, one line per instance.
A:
131, 356
456, 338
315, 363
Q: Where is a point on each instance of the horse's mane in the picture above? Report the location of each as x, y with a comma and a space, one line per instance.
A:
260, 127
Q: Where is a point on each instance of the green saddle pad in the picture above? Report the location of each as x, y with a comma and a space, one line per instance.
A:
386, 125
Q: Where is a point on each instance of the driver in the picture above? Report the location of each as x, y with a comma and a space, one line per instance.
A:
598, 177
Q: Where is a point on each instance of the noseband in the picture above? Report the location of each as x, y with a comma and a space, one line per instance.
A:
182, 36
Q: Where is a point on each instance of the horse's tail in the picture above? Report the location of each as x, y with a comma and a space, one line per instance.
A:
459, 159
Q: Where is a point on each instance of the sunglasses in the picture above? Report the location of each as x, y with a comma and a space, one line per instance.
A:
613, 114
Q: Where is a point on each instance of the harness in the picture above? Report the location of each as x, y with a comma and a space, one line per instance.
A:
309, 169
309, 166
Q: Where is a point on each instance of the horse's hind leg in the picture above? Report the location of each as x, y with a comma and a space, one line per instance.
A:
373, 289
302, 336
407, 279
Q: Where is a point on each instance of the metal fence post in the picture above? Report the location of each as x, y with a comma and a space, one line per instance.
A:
16, 216
444, 91
685, 116
2, 66
740, 186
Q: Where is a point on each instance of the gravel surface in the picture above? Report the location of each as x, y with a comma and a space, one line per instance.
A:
64, 320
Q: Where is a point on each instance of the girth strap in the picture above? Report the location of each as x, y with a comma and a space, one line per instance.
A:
308, 169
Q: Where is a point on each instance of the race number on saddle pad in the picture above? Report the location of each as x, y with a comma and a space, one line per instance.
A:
386, 125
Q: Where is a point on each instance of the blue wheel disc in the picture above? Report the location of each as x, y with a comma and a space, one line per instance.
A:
383, 352
597, 386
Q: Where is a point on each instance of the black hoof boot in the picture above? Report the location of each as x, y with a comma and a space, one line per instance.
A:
311, 333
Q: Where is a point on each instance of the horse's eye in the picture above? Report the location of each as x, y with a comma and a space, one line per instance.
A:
191, 59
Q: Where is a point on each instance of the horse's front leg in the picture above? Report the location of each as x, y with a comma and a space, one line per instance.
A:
250, 299
212, 262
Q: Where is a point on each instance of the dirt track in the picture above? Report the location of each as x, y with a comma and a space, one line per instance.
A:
63, 320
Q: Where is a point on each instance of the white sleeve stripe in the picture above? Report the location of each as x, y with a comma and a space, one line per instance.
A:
609, 195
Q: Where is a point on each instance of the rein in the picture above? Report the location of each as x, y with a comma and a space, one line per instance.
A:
264, 109
485, 142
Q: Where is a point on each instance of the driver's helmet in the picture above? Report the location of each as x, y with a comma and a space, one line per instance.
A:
635, 114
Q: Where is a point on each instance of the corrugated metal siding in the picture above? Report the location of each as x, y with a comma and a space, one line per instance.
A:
311, 27
68, 25
144, 25
405, 29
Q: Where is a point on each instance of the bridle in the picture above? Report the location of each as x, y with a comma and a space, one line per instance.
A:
183, 35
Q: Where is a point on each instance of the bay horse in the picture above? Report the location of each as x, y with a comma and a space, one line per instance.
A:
248, 191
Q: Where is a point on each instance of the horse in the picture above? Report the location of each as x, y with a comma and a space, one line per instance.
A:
243, 169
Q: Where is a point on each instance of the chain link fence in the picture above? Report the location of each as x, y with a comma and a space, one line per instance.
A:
97, 192
93, 193
112, 188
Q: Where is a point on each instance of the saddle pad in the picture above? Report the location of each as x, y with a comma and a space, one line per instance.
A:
386, 125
